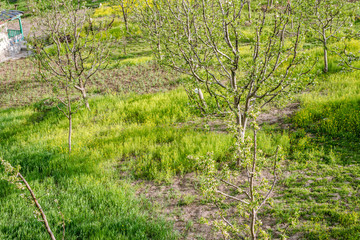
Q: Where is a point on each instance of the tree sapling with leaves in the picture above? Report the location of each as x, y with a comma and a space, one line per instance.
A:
249, 194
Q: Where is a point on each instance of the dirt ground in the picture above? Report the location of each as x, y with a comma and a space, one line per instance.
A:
273, 116
182, 202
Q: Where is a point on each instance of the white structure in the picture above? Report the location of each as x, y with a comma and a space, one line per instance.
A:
4, 42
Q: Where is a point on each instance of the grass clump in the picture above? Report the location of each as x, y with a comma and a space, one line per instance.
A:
333, 107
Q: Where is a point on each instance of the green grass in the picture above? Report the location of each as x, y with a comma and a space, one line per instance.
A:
94, 208
320, 200
136, 134
333, 107
144, 136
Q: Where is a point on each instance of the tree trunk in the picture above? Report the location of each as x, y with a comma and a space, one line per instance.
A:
326, 63
70, 131
253, 222
252, 193
126, 25
249, 9
240, 134
86, 102
126, 22
159, 49
125, 15
244, 124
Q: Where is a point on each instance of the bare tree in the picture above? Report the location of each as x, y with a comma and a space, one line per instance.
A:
205, 40
77, 49
326, 18
125, 8
232, 74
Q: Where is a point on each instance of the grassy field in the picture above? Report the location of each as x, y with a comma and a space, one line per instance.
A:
141, 128
96, 204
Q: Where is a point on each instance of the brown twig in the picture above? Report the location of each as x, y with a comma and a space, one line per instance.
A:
38, 206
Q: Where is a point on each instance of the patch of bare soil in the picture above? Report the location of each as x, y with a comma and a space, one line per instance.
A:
182, 202
278, 116
141, 79
273, 116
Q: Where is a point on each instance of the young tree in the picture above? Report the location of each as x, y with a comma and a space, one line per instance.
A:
76, 50
249, 195
125, 8
206, 39
326, 18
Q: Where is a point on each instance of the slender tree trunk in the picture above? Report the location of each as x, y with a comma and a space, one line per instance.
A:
240, 134
249, 9
326, 63
86, 102
238, 137
70, 131
159, 49
253, 212
125, 21
126, 25
244, 125
253, 222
